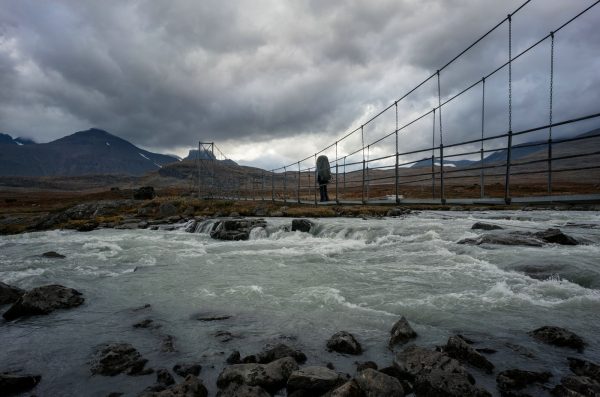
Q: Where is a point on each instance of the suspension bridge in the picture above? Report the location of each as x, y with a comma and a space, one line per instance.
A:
369, 167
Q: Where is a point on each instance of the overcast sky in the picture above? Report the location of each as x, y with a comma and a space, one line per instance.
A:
272, 81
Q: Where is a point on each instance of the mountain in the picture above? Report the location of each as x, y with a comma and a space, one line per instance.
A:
24, 141
89, 152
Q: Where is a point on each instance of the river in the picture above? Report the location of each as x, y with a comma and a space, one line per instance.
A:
358, 275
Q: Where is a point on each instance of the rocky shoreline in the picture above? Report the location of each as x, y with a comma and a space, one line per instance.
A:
279, 369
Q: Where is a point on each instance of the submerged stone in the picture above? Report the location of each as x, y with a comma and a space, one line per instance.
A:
44, 300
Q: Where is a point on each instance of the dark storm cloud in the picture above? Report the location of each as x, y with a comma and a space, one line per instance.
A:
296, 74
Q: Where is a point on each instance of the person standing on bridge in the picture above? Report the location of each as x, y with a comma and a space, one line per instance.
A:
323, 176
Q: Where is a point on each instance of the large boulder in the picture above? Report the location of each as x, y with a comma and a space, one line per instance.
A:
576, 386
485, 226
401, 332
558, 336
119, 358
44, 300
348, 389
344, 342
436, 374
376, 384
278, 351
301, 225
167, 209
17, 383
9, 294
584, 368
235, 229
271, 377
314, 380
458, 348
144, 193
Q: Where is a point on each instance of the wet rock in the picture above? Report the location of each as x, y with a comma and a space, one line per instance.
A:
234, 358
190, 226
190, 387
235, 229
224, 336
398, 212
13, 383
127, 226
401, 332
278, 351
503, 239
119, 358
237, 390
87, 226
344, 342
185, 369
348, 389
207, 317
404, 378
485, 226
144, 193
435, 373
584, 368
577, 386
459, 349
260, 211
516, 379
53, 254
555, 236
251, 359
330, 365
167, 344
164, 377
9, 294
376, 384
44, 300
148, 323
301, 225
365, 365
167, 209
558, 337
271, 377
314, 380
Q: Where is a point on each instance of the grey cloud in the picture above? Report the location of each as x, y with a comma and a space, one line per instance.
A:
165, 74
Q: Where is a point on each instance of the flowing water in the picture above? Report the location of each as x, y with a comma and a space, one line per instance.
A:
358, 275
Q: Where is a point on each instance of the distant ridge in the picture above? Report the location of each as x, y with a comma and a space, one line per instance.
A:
89, 152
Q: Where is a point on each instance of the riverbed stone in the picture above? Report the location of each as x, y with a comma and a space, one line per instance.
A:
348, 389
17, 383
555, 236
235, 229
503, 239
575, 386
314, 380
584, 368
190, 387
485, 226
280, 350
401, 332
164, 377
119, 358
376, 384
240, 390
271, 377
44, 300
459, 349
344, 342
302, 225
364, 365
9, 293
558, 336
53, 255
516, 379
185, 369
435, 373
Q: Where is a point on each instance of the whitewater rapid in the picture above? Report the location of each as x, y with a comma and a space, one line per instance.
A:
358, 275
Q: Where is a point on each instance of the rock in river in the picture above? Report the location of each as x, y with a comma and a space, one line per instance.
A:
558, 337
271, 377
584, 368
401, 332
436, 374
278, 351
43, 300
344, 342
119, 358
485, 226
190, 387
235, 229
503, 239
237, 390
515, 379
314, 380
185, 369
376, 384
9, 294
53, 254
301, 225
458, 348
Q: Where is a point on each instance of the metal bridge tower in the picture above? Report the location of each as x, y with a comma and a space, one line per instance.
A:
206, 170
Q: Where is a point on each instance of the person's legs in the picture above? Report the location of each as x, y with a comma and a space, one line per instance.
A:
322, 192
325, 193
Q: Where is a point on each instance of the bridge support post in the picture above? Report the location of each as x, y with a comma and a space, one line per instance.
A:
299, 175
442, 194
397, 158
507, 176
316, 180
284, 185
337, 200
273, 185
